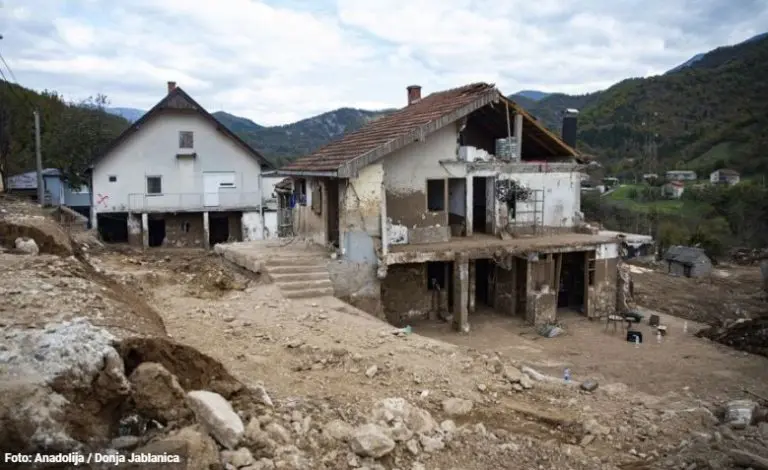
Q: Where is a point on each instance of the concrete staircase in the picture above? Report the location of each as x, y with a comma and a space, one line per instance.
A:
300, 275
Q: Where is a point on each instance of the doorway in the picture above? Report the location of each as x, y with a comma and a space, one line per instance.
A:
218, 229
484, 285
457, 206
332, 214
156, 228
480, 205
571, 290
521, 287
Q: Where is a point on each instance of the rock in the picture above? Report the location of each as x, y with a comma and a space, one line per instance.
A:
420, 420
482, 387
448, 426
263, 396
27, 245
593, 427
157, 394
412, 446
262, 464
197, 449
338, 430
587, 440
217, 416
748, 460
371, 371
400, 433
526, 382
739, 413
763, 428
369, 440
457, 406
416, 419
589, 385
431, 444
239, 458
278, 433
512, 374
125, 442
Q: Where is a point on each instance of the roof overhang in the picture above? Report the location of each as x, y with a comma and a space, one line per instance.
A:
317, 174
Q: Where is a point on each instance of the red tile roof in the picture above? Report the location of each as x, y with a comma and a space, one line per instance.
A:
402, 127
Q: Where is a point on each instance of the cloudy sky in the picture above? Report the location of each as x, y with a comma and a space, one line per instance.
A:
278, 61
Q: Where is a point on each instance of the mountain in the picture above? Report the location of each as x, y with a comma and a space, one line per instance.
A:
698, 57
129, 114
236, 124
534, 95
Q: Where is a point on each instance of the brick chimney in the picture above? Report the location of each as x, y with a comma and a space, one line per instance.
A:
171, 86
414, 93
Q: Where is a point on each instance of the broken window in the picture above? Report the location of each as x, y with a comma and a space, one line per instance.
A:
186, 140
436, 195
436, 275
154, 185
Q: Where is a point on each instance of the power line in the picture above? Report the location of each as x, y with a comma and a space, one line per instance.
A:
9, 69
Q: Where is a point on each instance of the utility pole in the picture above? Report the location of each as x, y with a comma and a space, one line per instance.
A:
39, 161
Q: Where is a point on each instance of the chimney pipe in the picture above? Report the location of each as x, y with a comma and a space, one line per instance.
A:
414, 93
171, 86
569, 130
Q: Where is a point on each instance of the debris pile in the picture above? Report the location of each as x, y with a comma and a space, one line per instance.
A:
750, 335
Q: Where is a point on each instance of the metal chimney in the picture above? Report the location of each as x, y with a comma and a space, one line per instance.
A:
570, 128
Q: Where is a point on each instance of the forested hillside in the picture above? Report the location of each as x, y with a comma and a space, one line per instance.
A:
72, 134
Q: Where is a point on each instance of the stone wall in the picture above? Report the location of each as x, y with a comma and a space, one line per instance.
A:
184, 230
404, 293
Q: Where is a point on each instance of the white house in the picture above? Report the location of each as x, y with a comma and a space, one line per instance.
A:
459, 195
178, 177
681, 175
724, 176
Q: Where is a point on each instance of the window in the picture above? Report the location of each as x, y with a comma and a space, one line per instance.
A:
436, 195
186, 140
154, 185
112, 179
300, 192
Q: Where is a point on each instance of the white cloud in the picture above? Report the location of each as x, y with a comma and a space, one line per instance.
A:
277, 62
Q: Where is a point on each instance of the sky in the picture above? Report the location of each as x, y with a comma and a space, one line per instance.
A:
279, 61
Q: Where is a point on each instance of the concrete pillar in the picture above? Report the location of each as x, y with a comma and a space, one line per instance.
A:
206, 231
519, 135
145, 230
469, 210
134, 230
461, 293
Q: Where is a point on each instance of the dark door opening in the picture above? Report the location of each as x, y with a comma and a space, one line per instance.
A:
156, 233
440, 285
218, 229
484, 270
113, 228
457, 206
521, 279
571, 291
332, 190
479, 204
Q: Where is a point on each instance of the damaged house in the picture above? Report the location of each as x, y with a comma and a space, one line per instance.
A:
178, 177
456, 203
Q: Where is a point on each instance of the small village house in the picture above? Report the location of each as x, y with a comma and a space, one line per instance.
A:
724, 176
57, 190
179, 177
681, 175
687, 261
673, 189
458, 202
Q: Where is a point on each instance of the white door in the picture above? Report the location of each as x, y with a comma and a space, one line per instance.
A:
211, 189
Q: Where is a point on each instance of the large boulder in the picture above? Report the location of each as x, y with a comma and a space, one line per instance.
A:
369, 440
157, 394
215, 413
457, 406
195, 448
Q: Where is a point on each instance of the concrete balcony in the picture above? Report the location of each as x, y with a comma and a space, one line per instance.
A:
194, 202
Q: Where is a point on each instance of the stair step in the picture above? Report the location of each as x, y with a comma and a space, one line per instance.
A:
308, 293
290, 269
302, 276
295, 261
304, 285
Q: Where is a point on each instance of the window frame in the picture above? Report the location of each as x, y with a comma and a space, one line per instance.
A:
160, 180
182, 140
443, 195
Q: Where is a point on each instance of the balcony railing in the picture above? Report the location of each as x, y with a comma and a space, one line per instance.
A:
141, 202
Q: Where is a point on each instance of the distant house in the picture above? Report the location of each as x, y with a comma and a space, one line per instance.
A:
673, 189
56, 189
650, 177
687, 261
633, 245
724, 176
681, 175
179, 177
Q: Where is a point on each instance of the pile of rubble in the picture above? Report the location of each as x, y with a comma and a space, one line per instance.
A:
750, 335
